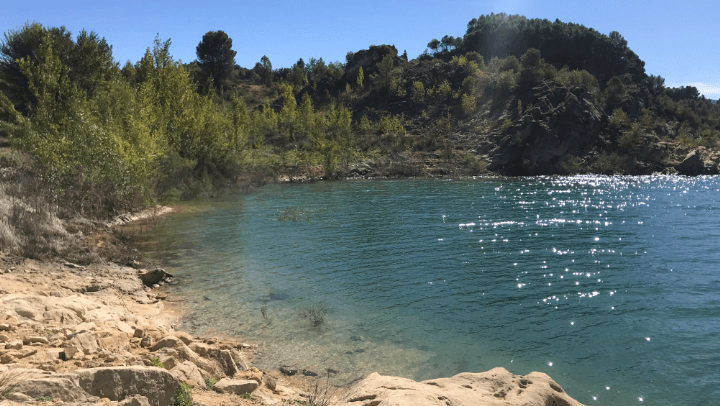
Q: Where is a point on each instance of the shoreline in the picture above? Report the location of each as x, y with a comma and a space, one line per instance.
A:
96, 334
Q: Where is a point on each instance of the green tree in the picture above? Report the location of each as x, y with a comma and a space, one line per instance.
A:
216, 57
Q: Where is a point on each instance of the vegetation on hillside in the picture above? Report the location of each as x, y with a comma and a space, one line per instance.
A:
106, 138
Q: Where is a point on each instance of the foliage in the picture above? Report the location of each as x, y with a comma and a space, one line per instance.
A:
182, 396
216, 57
418, 92
390, 124
562, 44
583, 78
444, 90
155, 362
468, 104
245, 395
633, 139
618, 118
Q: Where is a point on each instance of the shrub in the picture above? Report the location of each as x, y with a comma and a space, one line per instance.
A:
210, 382
182, 396
155, 362
632, 140
618, 118
444, 90
468, 85
245, 395
418, 92
506, 82
609, 164
505, 124
468, 104
572, 166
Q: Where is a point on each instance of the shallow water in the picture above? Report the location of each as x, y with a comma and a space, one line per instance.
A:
608, 284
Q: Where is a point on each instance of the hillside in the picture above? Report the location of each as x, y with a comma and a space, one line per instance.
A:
512, 96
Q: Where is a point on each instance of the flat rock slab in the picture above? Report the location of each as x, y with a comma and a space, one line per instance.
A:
236, 386
58, 388
495, 387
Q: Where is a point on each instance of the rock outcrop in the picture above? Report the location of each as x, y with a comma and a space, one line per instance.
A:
558, 123
699, 161
494, 387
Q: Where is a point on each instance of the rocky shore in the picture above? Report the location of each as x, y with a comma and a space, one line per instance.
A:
102, 334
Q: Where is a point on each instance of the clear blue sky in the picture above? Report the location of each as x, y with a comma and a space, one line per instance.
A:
678, 40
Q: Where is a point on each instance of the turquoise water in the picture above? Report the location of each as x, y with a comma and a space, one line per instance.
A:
608, 284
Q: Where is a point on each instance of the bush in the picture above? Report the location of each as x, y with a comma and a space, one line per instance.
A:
444, 90
506, 82
468, 104
609, 164
210, 382
618, 118
418, 92
182, 396
155, 362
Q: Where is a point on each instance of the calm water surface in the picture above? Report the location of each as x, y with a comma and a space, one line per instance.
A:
611, 285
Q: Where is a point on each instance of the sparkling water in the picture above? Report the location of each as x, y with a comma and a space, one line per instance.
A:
608, 284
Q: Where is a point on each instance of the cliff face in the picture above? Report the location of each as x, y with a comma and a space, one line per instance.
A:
559, 124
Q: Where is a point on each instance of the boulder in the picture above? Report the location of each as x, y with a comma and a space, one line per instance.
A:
150, 278
58, 388
698, 162
35, 339
253, 374
119, 383
188, 373
14, 345
80, 345
270, 381
495, 387
692, 165
185, 337
227, 363
201, 349
236, 386
4, 338
167, 342
146, 341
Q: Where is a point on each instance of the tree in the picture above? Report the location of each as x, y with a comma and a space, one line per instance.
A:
264, 69
25, 43
433, 44
216, 57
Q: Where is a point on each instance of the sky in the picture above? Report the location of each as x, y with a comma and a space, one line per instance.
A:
676, 39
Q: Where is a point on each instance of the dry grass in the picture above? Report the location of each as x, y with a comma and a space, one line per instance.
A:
318, 393
9, 378
28, 222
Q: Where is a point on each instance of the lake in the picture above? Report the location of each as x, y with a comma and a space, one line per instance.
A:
608, 284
